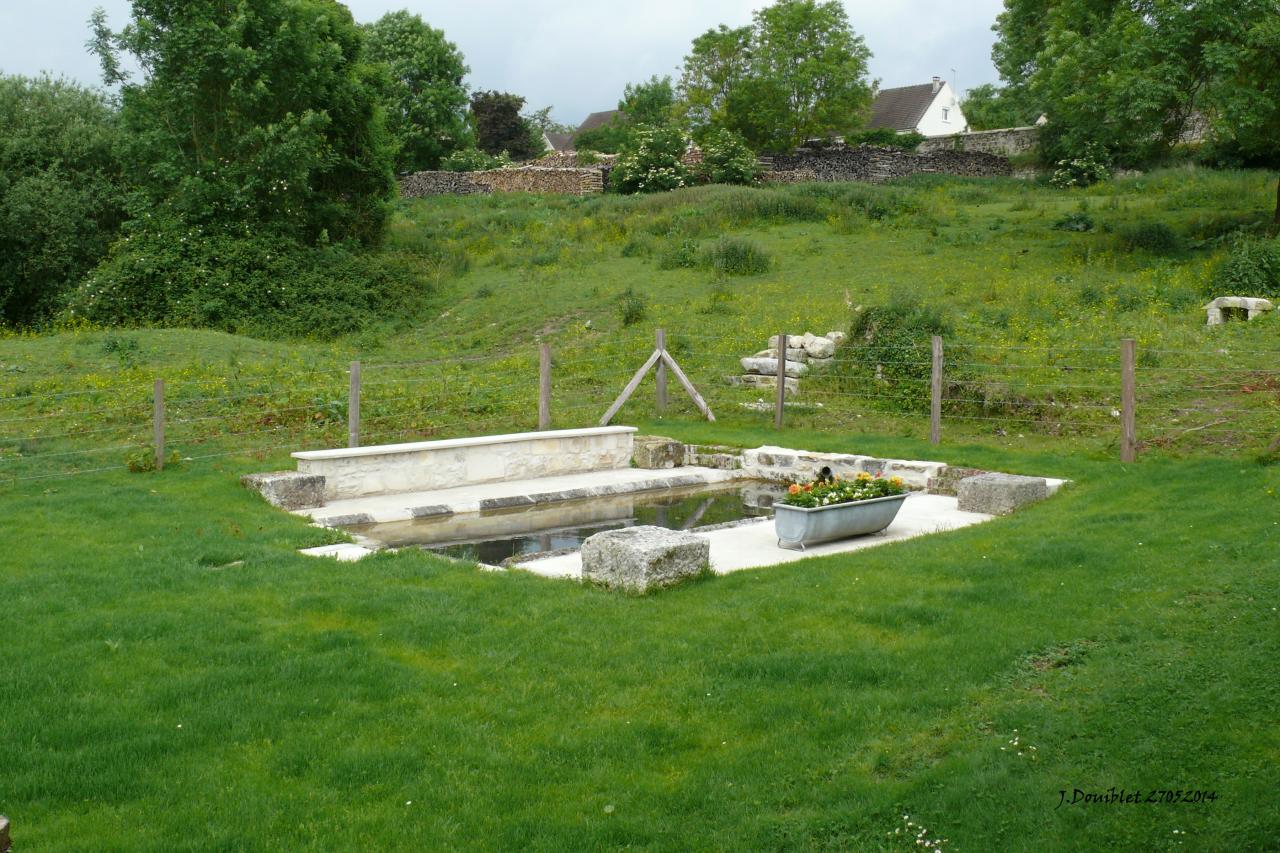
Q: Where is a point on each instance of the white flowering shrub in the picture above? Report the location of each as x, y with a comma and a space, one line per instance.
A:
651, 162
726, 159
1083, 171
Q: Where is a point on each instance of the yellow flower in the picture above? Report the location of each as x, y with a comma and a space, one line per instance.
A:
896, 481
864, 476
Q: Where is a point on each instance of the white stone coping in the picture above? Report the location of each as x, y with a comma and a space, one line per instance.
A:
450, 443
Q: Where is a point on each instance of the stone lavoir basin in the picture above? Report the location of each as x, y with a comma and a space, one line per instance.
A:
530, 500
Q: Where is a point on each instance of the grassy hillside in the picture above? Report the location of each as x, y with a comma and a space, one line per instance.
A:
1032, 313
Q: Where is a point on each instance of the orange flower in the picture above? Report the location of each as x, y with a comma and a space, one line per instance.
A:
794, 490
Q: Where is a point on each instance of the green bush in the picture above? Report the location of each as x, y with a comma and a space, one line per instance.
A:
891, 345
631, 307
1148, 237
886, 137
1252, 268
726, 159
736, 256
473, 160
258, 284
682, 255
1077, 221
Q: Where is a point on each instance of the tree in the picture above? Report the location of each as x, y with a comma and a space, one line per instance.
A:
1128, 77
61, 192
719, 61
500, 127
798, 72
261, 116
425, 99
543, 122
1244, 95
988, 107
649, 103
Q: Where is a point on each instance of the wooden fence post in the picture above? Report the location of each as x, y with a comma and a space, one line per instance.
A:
544, 386
782, 380
1128, 402
353, 407
157, 422
935, 393
660, 378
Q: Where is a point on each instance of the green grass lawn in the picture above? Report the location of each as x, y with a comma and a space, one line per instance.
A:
173, 676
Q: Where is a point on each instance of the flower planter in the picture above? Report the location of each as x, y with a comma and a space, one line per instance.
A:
798, 527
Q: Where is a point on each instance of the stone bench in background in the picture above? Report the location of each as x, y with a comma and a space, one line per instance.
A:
1252, 307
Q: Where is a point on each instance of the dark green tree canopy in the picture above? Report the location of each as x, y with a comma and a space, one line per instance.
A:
1129, 76
650, 103
254, 113
61, 191
500, 127
425, 99
800, 71
988, 107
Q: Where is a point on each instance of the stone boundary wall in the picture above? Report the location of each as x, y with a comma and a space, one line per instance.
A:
516, 179
1007, 142
873, 164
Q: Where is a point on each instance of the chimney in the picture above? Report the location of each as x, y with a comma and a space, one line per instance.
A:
937, 84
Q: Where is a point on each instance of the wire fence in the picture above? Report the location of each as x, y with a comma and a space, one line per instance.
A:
1123, 399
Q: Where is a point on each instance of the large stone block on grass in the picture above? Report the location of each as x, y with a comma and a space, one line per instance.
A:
999, 494
657, 452
769, 367
638, 559
288, 489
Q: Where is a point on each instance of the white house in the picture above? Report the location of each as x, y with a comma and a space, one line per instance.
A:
930, 109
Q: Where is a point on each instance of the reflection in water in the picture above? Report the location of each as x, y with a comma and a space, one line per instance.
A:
492, 537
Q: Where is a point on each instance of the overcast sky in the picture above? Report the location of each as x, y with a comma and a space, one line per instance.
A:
573, 54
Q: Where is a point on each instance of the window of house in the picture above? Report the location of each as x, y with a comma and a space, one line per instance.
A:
946, 114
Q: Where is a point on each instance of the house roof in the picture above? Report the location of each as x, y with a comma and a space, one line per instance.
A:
599, 119
560, 141
902, 108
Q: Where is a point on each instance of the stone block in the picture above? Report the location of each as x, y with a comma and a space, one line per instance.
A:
999, 494
287, 489
793, 342
946, 481
638, 559
769, 367
657, 452
753, 380
820, 347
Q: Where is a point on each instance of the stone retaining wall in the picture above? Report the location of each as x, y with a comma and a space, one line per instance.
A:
428, 465
1008, 142
873, 164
